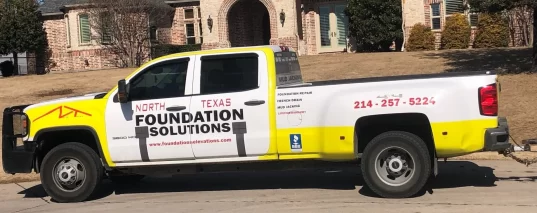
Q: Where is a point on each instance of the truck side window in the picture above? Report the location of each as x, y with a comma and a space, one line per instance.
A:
166, 80
229, 73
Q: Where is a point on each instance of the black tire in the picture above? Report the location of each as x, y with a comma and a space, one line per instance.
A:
414, 146
86, 157
126, 179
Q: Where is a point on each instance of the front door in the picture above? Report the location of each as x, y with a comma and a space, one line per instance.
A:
230, 106
333, 27
150, 126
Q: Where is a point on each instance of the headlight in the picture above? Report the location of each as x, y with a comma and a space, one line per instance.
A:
24, 124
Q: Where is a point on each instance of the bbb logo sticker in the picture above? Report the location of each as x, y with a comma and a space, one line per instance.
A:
296, 142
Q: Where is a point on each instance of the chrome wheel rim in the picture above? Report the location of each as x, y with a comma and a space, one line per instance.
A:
394, 166
69, 174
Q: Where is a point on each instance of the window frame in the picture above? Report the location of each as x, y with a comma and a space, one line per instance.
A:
81, 42
186, 33
197, 25
471, 13
188, 82
261, 65
106, 37
193, 13
467, 12
68, 30
439, 16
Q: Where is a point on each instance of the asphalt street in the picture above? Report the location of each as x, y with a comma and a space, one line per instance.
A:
462, 186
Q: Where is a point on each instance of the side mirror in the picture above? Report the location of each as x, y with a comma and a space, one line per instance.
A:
122, 93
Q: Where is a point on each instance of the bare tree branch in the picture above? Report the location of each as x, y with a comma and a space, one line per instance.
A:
123, 26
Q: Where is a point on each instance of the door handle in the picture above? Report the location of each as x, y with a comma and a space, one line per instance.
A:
175, 108
254, 102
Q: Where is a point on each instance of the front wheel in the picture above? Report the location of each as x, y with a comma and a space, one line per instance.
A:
71, 172
396, 164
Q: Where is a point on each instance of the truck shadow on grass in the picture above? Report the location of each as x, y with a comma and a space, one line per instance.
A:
503, 60
453, 174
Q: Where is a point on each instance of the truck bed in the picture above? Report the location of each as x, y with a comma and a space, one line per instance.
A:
391, 78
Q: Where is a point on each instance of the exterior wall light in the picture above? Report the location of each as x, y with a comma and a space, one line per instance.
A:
282, 17
210, 23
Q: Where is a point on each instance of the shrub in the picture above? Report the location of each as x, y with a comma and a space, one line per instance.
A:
166, 49
7, 68
456, 33
493, 31
375, 24
421, 38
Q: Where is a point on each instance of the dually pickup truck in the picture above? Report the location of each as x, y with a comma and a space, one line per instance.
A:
248, 108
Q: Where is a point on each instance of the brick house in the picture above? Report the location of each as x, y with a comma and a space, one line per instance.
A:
309, 26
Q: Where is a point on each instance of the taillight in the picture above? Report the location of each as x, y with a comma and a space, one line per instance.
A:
488, 100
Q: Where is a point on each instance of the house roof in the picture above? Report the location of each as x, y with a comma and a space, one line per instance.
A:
54, 6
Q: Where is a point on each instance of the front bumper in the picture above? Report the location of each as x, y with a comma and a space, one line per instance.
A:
15, 159
497, 139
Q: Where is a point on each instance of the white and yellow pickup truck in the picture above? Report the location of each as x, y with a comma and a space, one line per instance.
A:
249, 108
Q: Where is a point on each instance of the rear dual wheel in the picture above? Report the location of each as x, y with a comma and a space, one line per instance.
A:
396, 164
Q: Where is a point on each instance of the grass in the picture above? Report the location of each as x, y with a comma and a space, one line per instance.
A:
518, 97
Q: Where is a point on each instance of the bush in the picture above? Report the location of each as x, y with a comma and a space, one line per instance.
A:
493, 31
7, 68
421, 38
456, 33
166, 49
375, 24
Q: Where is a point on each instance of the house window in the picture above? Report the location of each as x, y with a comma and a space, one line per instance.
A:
106, 28
454, 6
190, 36
201, 32
193, 32
473, 18
68, 31
153, 33
189, 13
435, 16
85, 33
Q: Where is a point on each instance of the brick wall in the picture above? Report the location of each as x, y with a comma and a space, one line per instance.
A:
251, 30
66, 54
248, 26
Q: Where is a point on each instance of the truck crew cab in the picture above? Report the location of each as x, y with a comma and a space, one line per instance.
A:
248, 107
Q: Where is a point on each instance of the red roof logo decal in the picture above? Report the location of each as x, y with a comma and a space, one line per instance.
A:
68, 111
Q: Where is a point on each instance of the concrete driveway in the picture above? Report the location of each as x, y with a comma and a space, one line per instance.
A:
463, 186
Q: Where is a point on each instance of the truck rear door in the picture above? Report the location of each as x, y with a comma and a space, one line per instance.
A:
230, 106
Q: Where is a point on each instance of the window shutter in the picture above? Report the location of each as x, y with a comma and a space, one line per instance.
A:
85, 34
454, 6
474, 18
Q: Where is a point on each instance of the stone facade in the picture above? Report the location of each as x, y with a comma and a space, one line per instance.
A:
67, 52
308, 26
421, 11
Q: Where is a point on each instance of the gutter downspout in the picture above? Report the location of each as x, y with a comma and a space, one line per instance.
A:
403, 24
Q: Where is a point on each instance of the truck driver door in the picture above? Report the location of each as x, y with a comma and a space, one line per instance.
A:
149, 126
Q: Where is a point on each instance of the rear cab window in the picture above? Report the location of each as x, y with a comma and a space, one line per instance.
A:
288, 71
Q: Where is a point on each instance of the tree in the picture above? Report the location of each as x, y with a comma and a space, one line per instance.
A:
22, 29
123, 27
375, 23
494, 6
493, 31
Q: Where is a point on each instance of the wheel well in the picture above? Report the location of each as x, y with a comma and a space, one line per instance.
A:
367, 127
50, 139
